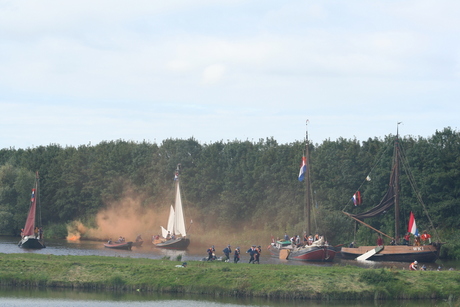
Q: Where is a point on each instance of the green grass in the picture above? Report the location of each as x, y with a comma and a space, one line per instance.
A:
225, 279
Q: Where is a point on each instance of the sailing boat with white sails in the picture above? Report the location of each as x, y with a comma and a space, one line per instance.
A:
31, 234
175, 235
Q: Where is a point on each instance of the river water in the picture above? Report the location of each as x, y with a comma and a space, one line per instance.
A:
52, 298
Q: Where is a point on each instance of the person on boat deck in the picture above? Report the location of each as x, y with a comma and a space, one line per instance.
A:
417, 241
252, 252
40, 233
426, 237
110, 241
36, 232
413, 266
310, 239
236, 255
168, 236
297, 240
22, 233
392, 242
379, 240
406, 239
305, 239
286, 237
173, 237
352, 244
227, 252
211, 251
293, 240
316, 237
138, 238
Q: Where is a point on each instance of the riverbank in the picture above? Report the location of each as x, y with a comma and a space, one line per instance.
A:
225, 279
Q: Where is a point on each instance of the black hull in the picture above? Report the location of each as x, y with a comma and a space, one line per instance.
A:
398, 253
420, 257
32, 243
179, 243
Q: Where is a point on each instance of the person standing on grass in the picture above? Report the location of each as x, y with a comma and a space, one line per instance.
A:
227, 252
211, 251
251, 252
236, 256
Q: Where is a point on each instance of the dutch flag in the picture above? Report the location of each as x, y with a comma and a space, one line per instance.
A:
303, 169
412, 228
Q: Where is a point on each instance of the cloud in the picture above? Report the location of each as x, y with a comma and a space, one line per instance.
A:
213, 73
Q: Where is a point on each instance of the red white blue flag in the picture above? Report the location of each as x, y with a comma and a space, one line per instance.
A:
32, 197
357, 200
303, 168
412, 228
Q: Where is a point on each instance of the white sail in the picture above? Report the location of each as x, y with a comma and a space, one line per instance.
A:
170, 227
179, 224
164, 232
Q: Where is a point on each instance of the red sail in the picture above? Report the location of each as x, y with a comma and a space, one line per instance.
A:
30, 222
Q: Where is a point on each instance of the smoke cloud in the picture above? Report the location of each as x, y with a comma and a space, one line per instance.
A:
128, 218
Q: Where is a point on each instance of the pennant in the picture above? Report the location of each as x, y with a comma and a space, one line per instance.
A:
412, 227
357, 200
32, 197
303, 168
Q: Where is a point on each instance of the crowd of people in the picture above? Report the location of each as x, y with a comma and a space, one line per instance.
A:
254, 253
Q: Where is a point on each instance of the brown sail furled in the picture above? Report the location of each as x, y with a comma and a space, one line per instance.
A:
386, 203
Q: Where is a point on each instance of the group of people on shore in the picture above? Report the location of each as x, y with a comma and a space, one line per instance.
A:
254, 253
414, 267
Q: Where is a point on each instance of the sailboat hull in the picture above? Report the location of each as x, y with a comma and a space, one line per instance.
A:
179, 243
398, 253
307, 253
31, 243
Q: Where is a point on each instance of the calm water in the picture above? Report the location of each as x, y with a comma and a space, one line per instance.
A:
53, 298
70, 298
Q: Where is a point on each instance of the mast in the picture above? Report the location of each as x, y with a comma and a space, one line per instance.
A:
307, 209
37, 178
179, 224
396, 182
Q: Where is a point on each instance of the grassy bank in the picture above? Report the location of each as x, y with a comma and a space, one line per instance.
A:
225, 279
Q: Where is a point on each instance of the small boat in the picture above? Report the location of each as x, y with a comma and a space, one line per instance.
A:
119, 245
137, 243
32, 235
396, 251
175, 235
319, 250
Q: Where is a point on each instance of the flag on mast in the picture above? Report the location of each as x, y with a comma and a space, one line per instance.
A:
303, 168
412, 227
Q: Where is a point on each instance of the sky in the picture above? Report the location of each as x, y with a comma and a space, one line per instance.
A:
82, 72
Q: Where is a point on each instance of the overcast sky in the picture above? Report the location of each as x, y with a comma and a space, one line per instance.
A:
75, 72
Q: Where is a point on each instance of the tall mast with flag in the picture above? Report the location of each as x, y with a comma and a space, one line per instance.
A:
304, 174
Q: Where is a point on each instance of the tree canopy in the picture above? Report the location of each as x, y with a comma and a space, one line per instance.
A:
236, 182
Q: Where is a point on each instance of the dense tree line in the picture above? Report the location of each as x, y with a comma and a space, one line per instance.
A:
238, 182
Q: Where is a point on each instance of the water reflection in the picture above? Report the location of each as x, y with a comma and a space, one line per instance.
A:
58, 298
